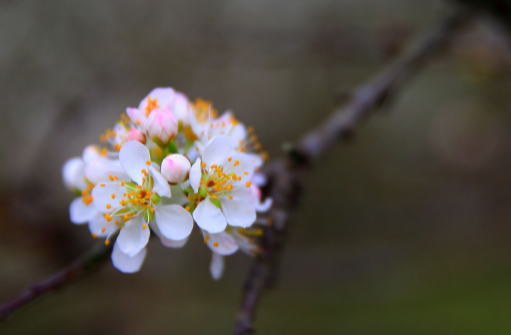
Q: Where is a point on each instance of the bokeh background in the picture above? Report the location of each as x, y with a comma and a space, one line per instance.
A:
403, 231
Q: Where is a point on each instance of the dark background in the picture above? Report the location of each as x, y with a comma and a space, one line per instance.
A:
404, 231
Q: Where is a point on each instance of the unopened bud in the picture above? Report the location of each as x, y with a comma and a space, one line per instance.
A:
175, 168
136, 135
162, 125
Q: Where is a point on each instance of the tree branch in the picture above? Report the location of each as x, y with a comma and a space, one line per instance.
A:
78, 269
285, 176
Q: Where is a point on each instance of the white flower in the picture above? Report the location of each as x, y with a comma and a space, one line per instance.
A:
175, 168
132, 206
161, 126
80, 210
221, 181
164, 99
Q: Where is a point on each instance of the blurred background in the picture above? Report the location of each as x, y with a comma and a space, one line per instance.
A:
403, 231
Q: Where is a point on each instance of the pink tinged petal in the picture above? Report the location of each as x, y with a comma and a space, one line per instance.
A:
125, 263
101, 169
161, 186
239, 164
133, 157
209, 217
217, 266
102, 196
133, 237
173, 221
216, 150
195, 175
162, 125
221, 243
136, 135
98, 223
72, 174
175, 168
238, 212
81, 212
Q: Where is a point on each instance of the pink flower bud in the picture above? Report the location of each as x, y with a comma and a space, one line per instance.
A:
175, 168
162, 125
136, 135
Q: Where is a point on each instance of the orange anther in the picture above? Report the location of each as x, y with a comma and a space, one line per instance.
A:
248, 184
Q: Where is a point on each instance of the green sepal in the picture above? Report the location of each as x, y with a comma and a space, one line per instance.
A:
149, 215
129, 185
172, 148
203, 192
189, 190
155, 198
215, 202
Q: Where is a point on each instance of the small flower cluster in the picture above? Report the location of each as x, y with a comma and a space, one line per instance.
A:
164, 165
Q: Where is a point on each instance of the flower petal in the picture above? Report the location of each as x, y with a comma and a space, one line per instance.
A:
137, 116
221, 243
239, 164
101, 169
216, 150
217, 266
133, 157
164, 96
196, 175
161, 186
178, 196
125, 263
264, 206
165, 241
133, 237
174, 222
238, 212
81, 212
102, 196
209, 217
72, 174
98, 222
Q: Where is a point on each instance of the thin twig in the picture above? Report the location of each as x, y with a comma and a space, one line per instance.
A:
285, 176
79, 268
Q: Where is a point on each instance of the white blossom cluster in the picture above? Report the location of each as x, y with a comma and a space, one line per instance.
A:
167, 164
